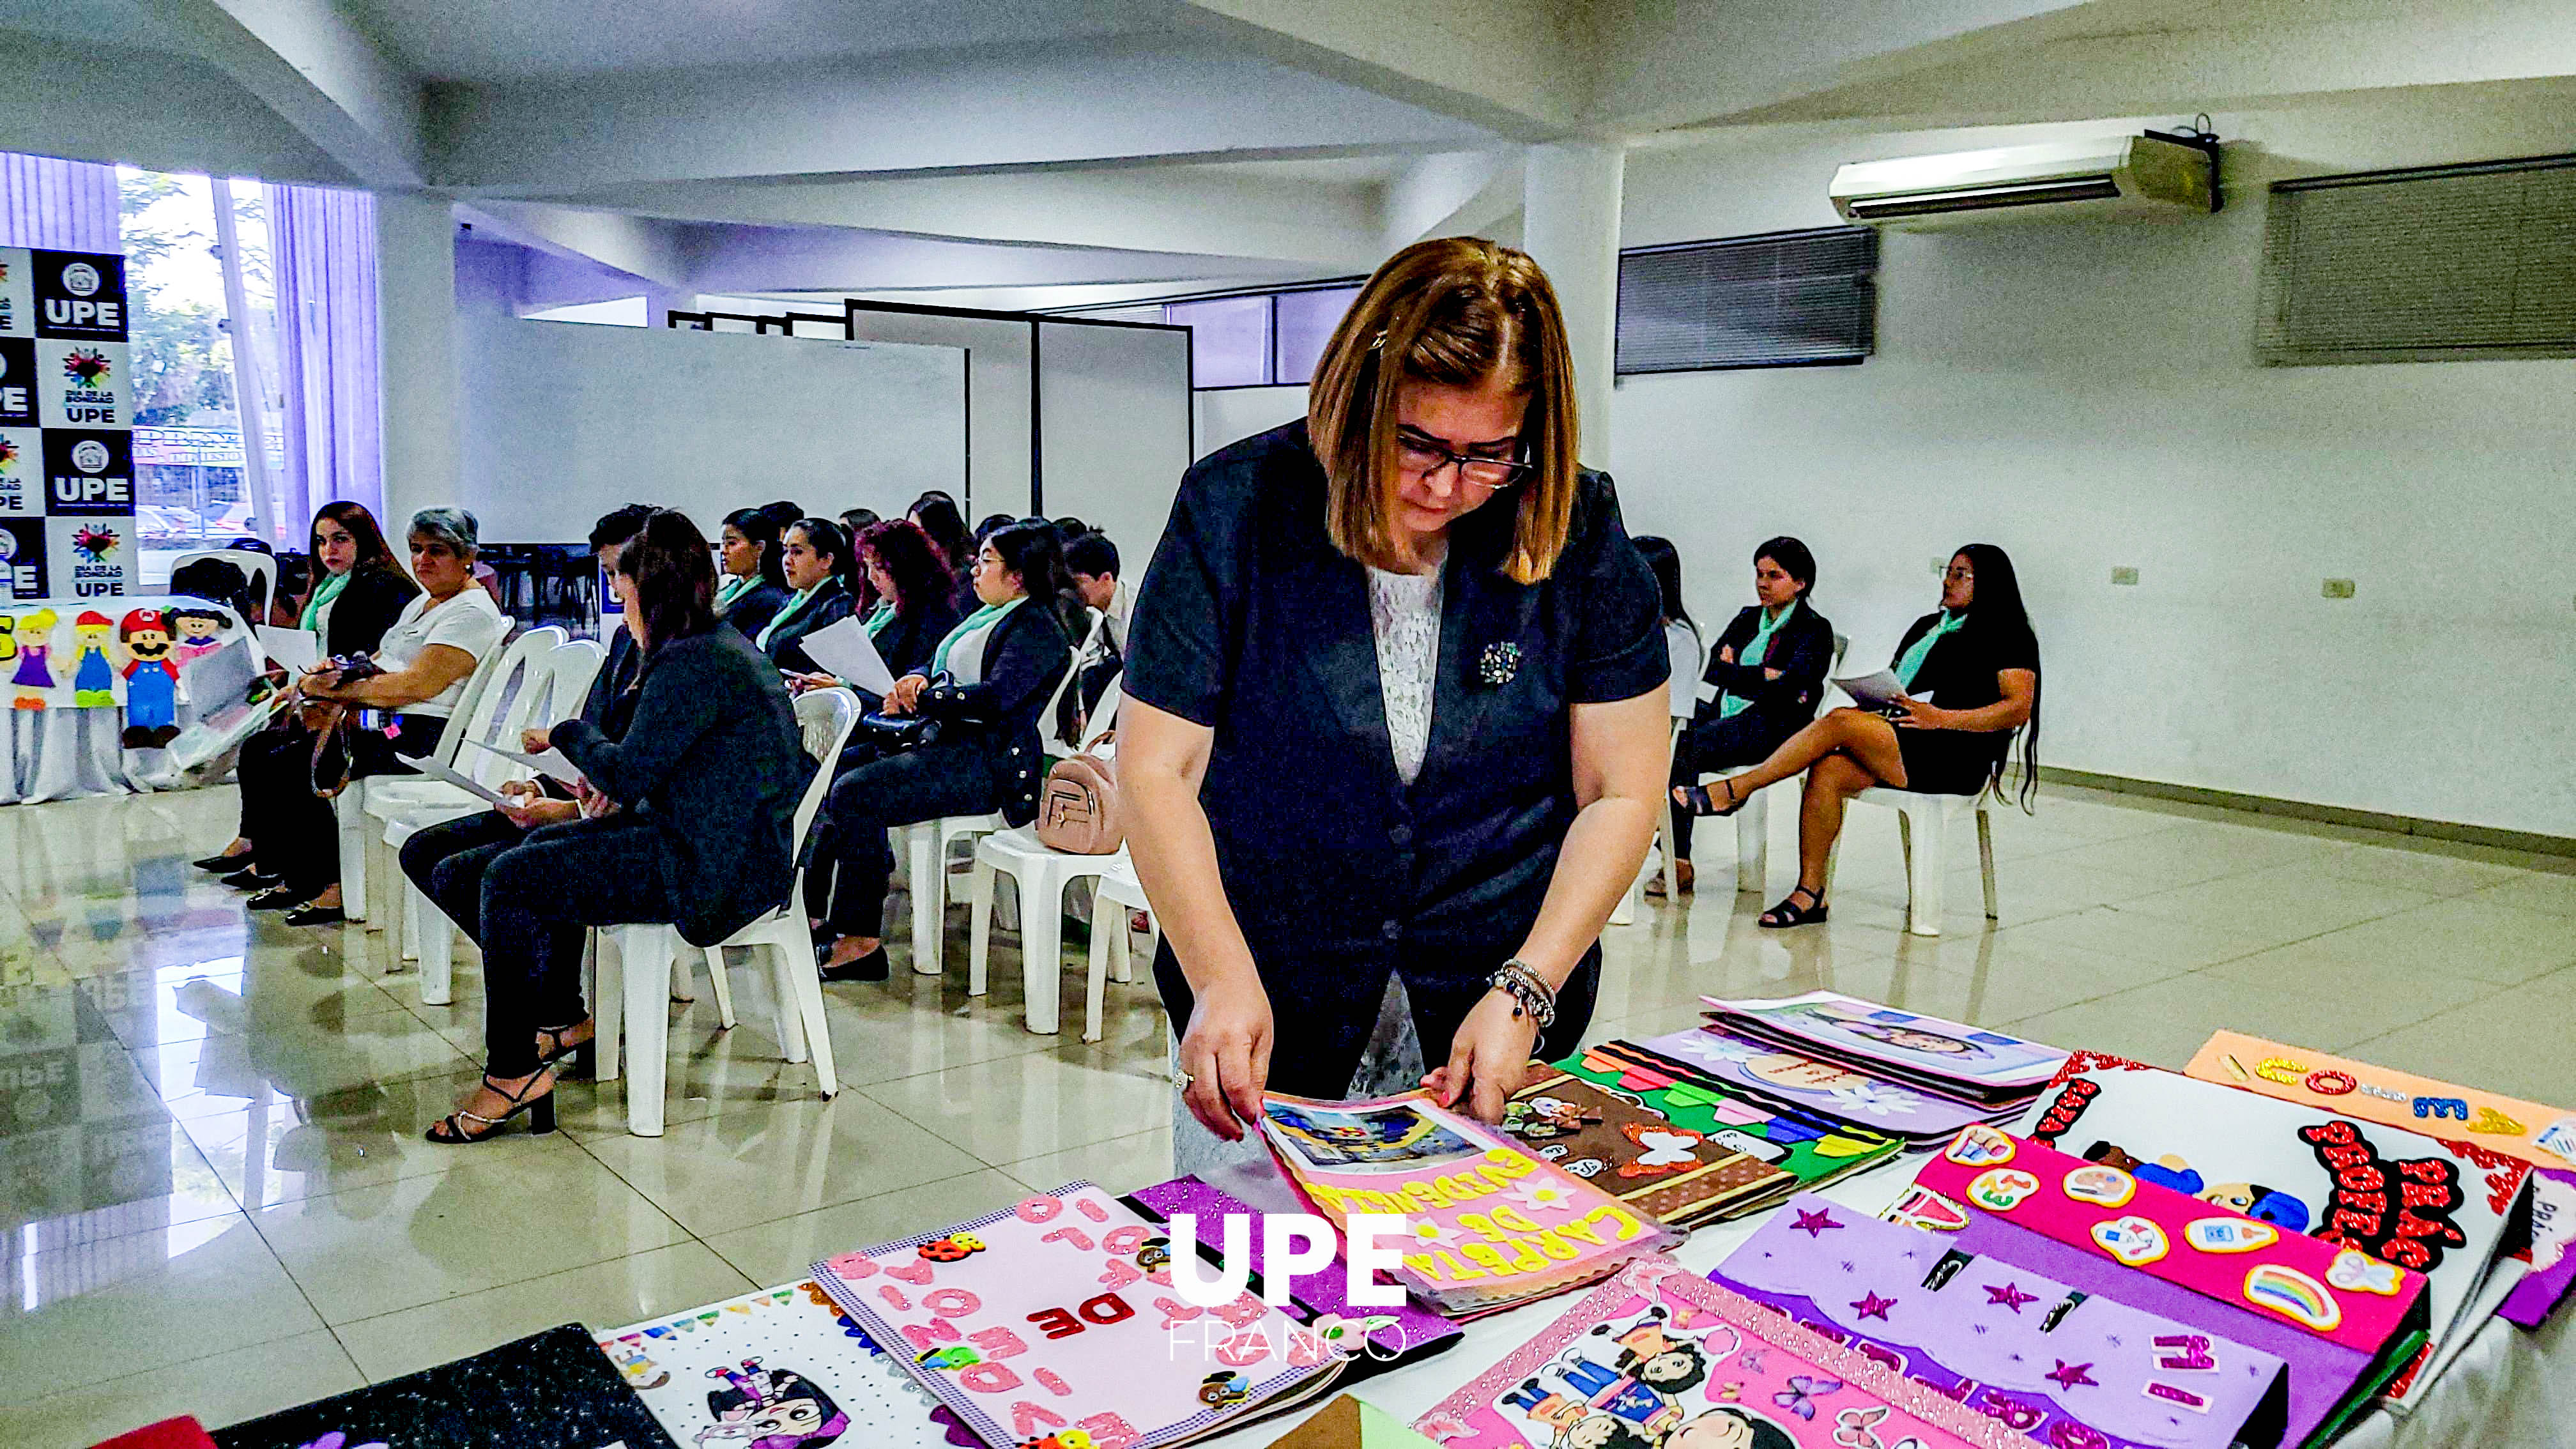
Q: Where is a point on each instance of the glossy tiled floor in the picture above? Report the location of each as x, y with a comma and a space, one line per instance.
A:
214, 1197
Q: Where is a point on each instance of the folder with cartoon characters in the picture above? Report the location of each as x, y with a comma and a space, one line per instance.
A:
1681, 1175
1809, 1149
2341, 1322
783, 1368
1659, 1358
2057, 1363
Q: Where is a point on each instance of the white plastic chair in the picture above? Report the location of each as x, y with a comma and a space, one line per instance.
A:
351, 805
629, 980
924, 846
259, 568
1753, 822
1114, 892
1923, 832
427, 933
1688, 663
1041, 876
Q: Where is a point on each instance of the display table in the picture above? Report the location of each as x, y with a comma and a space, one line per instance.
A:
2508, 1387
65, 750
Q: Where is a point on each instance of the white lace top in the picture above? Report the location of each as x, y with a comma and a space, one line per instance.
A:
1404, 615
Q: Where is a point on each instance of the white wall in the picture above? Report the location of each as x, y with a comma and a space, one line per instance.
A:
2086, 396
1240, 412
997, 388
1117, 426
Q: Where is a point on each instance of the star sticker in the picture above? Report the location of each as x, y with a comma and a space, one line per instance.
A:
2068, 1375
2010, 1296
1873, 1306
1813, 1224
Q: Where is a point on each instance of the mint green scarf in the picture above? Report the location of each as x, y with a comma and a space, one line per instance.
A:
323, 594
789, 610
1730, 704
1922, 648
878, 618
734, 589
974, 621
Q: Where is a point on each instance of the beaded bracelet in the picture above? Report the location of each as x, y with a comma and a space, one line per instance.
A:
1531, 995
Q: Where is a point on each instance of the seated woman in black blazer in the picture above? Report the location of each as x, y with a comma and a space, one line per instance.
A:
361, 591
816, 557
755, 584
982, 692
916, 606
1978, 657
685, 820
1761, 684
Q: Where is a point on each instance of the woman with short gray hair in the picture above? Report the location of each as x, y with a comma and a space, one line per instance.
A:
417, 681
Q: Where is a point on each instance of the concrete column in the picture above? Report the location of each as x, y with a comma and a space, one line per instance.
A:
416, 305
1570, 202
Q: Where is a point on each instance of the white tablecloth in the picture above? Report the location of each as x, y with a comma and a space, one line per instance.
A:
2509, 1387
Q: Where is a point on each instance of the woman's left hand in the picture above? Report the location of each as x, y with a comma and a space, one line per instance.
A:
1487, 1059
1908, 713
318, 684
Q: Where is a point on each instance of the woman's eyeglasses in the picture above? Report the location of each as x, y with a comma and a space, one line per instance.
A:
1423, 457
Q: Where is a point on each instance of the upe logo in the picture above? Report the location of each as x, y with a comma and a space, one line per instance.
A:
80, 279
90, 456
88, 369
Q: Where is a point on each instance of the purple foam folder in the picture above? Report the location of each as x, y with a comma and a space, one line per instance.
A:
2343, 1323
1376, 1339
2071, 1370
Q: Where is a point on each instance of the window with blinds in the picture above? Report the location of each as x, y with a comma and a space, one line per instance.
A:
1784, 299
2433, 264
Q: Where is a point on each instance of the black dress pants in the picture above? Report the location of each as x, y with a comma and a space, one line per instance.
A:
539, 898
294, 833
902, 789
1718, 744
447, 860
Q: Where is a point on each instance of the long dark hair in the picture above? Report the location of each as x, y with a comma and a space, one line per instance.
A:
373, 551
920, 579
675, 578
1666, 561
825, 537
938, 517
1035, 551
756, 525
1995, 610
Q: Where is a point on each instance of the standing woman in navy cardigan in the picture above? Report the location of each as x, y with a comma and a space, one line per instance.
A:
981, 692
1971, 678
686, 820
1396, 705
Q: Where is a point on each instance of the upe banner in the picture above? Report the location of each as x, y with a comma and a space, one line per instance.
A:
66, 425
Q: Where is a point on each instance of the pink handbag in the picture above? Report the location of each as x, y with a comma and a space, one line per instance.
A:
1078, 807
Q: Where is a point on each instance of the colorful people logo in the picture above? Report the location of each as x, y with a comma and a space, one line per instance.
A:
95, 544
87, 369
151, 680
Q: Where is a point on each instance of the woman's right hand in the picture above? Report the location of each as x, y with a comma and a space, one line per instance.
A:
1226, 1053
907, 694
535, 742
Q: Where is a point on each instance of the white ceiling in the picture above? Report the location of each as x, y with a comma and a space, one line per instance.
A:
997, 146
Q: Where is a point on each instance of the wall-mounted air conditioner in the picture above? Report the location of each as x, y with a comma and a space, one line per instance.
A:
2152, 175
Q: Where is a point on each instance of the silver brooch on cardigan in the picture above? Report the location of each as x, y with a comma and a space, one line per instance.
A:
1499, 664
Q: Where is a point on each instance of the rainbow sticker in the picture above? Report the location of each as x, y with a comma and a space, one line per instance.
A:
2294, 1295
2229, 1235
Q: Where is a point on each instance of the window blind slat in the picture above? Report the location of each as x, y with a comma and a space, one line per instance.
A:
1782, 300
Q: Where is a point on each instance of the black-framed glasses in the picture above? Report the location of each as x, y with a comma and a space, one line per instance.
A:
1420, 455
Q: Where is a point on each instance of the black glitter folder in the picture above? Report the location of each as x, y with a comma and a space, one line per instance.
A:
554, 1390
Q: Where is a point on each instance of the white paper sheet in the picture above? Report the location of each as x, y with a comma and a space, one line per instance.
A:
436, 771
551, 763
1872, 691
296, 650
844, 649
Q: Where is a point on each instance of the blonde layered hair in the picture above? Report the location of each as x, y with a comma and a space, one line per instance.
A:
1460, 311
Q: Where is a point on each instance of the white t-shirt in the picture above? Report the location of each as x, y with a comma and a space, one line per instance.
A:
469, 620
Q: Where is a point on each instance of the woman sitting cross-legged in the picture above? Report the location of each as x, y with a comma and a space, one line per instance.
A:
423, 662
685, 820
980, 698
1761, 684
1978, 657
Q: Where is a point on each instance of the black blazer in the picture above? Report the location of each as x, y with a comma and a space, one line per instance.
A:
830, 606
1024, 658
1802, 650
611, 701
1960, 671
1252, 623
752, 612
908, 641
369, 604
714, 760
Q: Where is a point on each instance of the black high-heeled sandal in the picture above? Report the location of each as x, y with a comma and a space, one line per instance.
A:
1698, 801
1789, 913
540, 1110
570, 1059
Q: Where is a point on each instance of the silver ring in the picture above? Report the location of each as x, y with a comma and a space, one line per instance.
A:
1181, 1080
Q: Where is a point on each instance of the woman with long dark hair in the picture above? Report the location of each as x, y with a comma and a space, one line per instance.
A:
686, 820
755, 584
937, 514
1760, 685
815, 555
358, 593
981, 693
856, 521
1979, 657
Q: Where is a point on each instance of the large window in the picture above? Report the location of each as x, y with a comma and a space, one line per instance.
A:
188, 453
